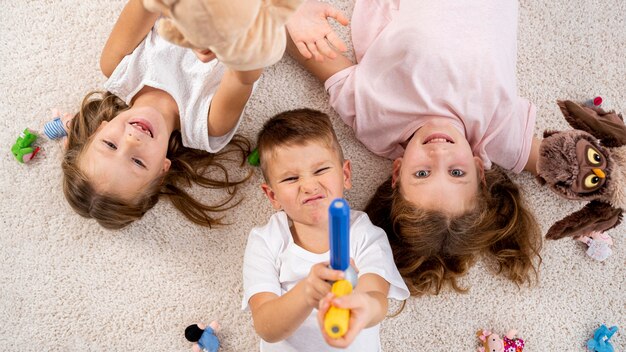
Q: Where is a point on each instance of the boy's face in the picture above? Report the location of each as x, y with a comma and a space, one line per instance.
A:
303, 180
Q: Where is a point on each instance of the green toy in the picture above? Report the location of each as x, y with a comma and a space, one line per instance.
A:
253, 159
22, 149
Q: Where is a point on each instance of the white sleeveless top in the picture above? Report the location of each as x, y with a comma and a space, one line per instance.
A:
160, 64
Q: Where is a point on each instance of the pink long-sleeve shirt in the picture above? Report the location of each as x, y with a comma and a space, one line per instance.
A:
419, 60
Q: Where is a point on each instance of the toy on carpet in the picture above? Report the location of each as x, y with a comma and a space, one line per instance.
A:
587, 163
23, 150
598, 243
493, 343
243, 34
601, 338
204, 336
595, 102
336, 319
57, 128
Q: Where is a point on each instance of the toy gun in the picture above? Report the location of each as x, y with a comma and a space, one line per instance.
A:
336, 319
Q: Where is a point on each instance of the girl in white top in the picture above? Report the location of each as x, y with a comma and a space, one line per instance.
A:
131, 144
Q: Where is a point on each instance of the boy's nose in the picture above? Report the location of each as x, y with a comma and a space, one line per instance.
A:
309, 186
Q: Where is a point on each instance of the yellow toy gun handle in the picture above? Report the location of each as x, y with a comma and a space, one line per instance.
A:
336, 319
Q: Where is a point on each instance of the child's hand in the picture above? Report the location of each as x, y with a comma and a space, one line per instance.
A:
316, 284
310, 31
360, 305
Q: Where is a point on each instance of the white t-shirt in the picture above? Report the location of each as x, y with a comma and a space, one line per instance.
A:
160, 64
274, 263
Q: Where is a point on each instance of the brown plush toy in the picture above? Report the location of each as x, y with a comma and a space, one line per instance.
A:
588, 163
243, 34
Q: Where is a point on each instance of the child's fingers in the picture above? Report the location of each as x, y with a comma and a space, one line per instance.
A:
334, 40
313, 49
328, 274
325, 49
337, 15
303, 50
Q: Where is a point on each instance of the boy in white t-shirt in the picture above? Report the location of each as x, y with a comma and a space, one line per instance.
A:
286, 274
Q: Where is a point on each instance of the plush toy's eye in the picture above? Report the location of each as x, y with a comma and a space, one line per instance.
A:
593, 156
592, 180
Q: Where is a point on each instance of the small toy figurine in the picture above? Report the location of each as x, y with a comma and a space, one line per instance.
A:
595, 102
254, 158
204, 336
22, 149
601, 337
587, 163
57, 128
493, 343
599, 245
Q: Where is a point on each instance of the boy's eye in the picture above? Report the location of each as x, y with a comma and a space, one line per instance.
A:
290, 179
319, 171
110, 144
457, 173
139, 162
422, 173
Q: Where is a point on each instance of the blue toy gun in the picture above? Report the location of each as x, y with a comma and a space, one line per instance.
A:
336, 319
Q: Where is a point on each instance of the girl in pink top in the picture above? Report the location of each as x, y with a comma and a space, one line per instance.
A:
434, 89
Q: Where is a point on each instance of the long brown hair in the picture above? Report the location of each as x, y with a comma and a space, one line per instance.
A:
432, 248
189, 166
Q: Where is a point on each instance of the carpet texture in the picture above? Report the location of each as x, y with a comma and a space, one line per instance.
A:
68, 285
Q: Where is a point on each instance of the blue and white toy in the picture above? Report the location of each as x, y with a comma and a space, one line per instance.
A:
601, 338
204, 336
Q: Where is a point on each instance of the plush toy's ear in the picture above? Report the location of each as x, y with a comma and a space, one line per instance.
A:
607, 126
595, 216
171, 33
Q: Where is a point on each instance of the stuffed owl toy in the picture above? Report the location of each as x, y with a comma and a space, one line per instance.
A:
243, 34
587, 163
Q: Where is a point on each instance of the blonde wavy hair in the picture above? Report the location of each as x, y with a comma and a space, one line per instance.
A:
189, 166
432, 249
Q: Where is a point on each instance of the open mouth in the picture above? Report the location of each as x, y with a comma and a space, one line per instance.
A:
438, 138
312, 199
143, 126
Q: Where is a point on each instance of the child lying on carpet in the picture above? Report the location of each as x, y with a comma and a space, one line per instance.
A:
434, 89
163, 123
285, 270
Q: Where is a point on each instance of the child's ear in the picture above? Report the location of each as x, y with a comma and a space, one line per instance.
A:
166, 165
347, 174
480, 168
271, 196
395, 174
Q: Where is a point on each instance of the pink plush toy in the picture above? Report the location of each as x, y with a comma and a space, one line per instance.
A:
493, 343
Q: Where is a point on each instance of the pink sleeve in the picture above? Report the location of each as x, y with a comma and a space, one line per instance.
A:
369, 18
340, 87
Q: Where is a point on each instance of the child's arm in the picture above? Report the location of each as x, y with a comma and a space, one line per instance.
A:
531, 164
134, 23
310, 31
230, 99
367, 304
276, 318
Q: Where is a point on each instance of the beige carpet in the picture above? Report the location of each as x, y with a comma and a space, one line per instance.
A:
68, 285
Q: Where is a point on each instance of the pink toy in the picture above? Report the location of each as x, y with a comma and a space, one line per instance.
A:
595, 102
599, 245
493, 343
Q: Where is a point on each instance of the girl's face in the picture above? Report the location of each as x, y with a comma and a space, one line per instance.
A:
438, 170
127, 153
